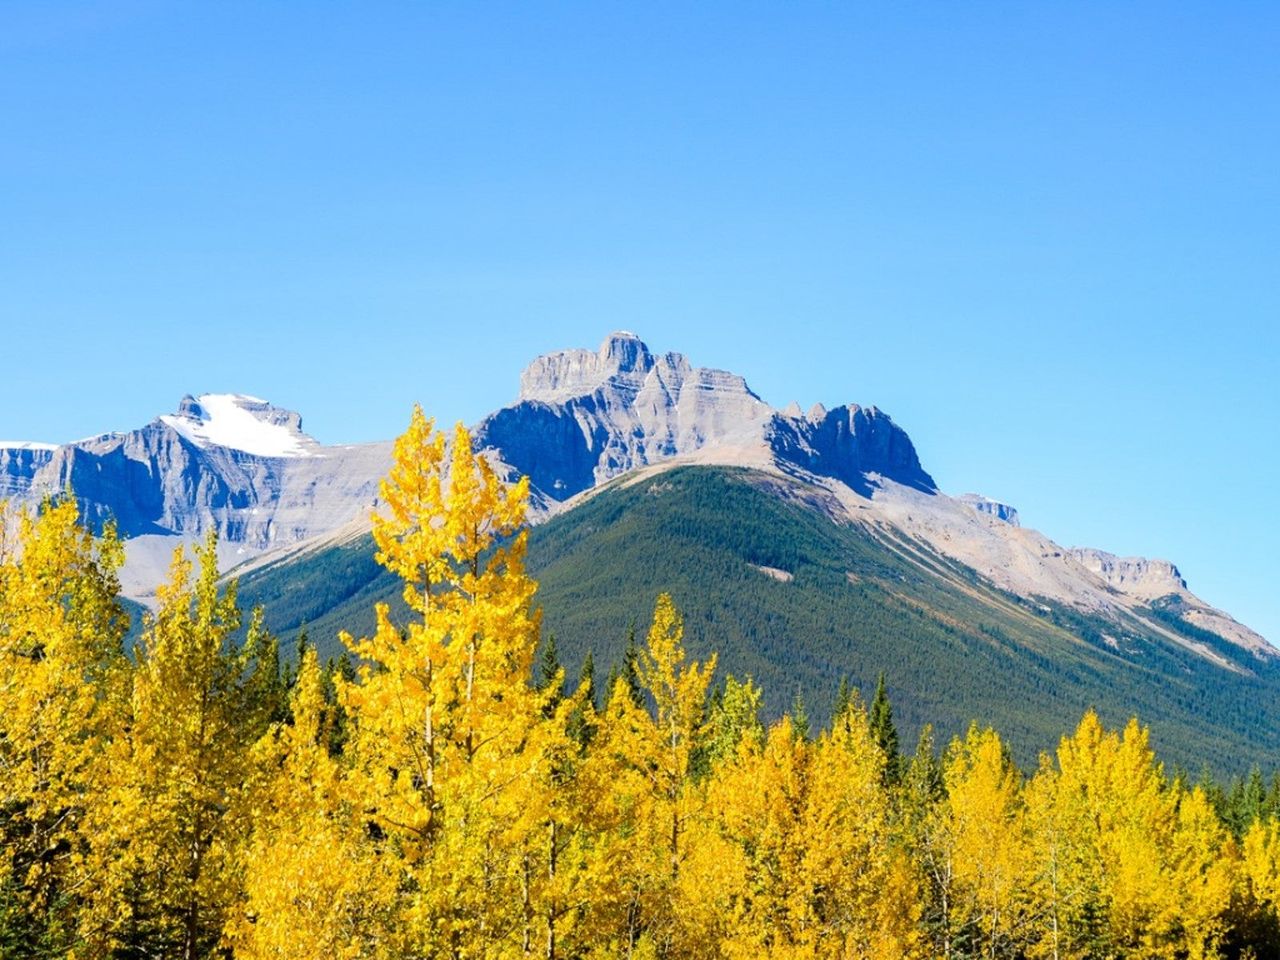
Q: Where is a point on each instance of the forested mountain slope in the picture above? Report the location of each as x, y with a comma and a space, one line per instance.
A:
797, 599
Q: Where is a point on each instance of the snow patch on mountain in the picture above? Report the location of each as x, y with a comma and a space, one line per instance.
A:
241, 422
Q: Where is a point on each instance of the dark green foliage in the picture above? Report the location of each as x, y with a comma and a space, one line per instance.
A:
587, 678
860, 602
580, 727
550, 673
799, 714
885, 733
844, 699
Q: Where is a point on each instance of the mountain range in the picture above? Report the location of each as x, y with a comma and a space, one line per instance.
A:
621, 438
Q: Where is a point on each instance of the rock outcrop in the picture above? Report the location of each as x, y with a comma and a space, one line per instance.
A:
992, 508
583, 417
1136, 576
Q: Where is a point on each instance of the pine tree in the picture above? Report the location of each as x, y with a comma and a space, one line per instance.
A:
800, 717
844, 698
550, 677
582, 722
630, 673
885, 733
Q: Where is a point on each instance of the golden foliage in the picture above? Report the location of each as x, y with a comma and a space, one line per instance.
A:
435, 803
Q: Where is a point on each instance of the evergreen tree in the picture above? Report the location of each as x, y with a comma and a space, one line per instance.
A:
550, 677
587, 679
582, 722
885, 733
631, 667
800, 717
844, 698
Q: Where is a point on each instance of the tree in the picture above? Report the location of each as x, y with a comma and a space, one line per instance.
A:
314, 885
885, 733
62, 676
170, 819
550, 677
799, 717
735, 717
989, 854
446, 732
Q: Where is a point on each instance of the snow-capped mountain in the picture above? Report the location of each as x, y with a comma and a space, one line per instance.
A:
227, 462
582, 419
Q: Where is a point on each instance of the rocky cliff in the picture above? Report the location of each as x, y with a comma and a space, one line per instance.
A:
245, 468
583, 417
223, 462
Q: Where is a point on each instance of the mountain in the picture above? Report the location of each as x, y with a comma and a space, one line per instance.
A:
635, 459
225, 462
583, 418
780, 589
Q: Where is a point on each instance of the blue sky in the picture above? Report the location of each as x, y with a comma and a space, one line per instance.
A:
1044, 237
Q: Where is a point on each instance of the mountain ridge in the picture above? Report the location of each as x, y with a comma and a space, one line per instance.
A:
582, 419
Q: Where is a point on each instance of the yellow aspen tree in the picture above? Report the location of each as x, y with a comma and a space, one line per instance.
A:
446, 729
628, 859
61, 673
313, 884
1201, 862
925, 831
558, 883
988, 845
1119, 868
679, 691
822, 877
758, 799
1257, 914
168, 820
865, 895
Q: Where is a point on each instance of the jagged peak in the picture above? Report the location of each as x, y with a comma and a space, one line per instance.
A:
623, 361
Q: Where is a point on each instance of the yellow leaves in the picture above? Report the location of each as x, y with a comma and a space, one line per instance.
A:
1260, 864
61, 666
462, 813
988, 845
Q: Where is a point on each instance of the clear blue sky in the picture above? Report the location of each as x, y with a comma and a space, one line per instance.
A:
1044, 237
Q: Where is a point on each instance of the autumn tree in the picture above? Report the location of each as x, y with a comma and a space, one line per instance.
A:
170, 817
314, 885
62, 671
445, 724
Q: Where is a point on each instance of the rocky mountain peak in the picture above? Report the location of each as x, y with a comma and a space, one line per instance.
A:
623, 360
585, 416
241, 422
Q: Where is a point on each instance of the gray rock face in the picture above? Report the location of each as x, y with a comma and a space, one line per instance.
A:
186, 474
1137, 576
584, 417
852, 444
992, 508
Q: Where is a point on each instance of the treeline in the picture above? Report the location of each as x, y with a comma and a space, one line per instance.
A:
452, 797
